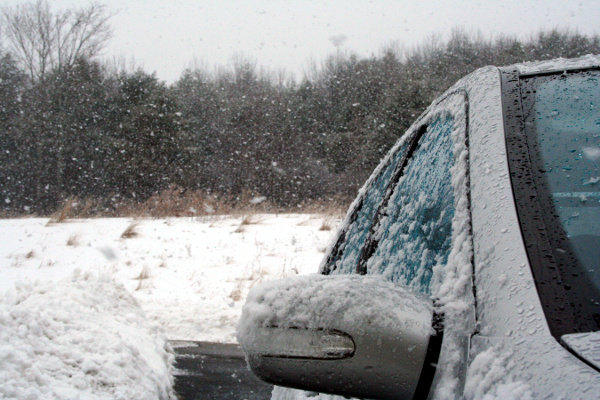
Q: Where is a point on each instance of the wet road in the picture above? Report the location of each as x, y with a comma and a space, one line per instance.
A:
215, 371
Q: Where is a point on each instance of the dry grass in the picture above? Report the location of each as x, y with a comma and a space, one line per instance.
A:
73, 240
74, 208
334, 206
31, 254
327, 223
62, 214
177, 202
249, 219
236, 294
244, 284
142, 277
130, 232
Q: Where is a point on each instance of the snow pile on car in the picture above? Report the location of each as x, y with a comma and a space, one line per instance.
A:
487, 378
82, 337
316, 301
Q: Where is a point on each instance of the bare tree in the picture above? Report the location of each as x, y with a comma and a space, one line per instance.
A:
42, 40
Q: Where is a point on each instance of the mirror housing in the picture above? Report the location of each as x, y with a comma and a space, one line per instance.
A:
351, 335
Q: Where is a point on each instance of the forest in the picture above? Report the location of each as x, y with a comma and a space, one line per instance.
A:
76, 129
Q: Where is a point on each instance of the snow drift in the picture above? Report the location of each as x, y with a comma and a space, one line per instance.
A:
83, 337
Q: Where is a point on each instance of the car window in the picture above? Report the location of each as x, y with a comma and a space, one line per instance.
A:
415, 231
569, 146
345, 255
559, 201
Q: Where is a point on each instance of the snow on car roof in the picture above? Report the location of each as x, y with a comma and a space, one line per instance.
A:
558, 64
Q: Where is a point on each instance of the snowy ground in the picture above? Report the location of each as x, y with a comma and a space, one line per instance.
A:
85, 307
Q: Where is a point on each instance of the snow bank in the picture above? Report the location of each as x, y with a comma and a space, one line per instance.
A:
189, 275
80, 338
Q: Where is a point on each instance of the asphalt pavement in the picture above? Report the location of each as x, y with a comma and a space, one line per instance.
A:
215, 371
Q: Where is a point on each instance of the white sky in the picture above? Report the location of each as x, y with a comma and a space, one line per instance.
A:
165, 36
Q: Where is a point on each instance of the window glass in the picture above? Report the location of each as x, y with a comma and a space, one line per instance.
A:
415, 231
560, 197
567, 119
345, 257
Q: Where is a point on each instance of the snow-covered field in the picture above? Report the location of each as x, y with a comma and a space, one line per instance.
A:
86, 306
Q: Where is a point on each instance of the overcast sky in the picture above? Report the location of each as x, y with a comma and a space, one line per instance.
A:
165, 36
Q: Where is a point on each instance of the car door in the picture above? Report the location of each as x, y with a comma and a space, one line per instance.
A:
411, 224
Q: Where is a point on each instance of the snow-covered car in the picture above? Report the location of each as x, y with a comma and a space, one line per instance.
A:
468, 266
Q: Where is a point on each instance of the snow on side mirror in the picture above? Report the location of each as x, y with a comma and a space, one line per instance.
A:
352, 335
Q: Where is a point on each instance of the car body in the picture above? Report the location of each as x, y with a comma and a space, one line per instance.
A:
489, 207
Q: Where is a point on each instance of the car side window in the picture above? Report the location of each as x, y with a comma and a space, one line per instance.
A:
345, 255
414, 232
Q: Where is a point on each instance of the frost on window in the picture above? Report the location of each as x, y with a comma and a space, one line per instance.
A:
345, 256
415, 233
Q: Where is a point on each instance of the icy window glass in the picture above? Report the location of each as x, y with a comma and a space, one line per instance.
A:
415, 232
345, 257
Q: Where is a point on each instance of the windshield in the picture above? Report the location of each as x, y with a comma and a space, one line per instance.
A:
562, 126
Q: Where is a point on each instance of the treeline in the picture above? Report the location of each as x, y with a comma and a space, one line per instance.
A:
88, 131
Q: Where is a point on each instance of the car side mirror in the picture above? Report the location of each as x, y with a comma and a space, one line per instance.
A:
351, 335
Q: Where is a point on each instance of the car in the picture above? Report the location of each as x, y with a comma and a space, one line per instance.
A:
469, 264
